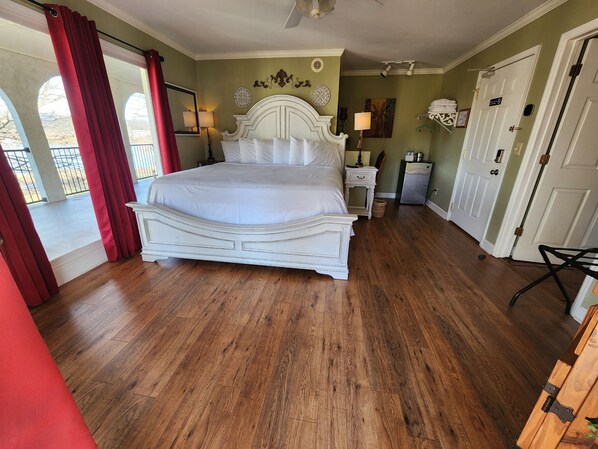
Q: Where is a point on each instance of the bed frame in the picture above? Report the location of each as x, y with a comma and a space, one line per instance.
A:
320, 243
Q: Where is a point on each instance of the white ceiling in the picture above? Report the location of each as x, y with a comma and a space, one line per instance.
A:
433, 32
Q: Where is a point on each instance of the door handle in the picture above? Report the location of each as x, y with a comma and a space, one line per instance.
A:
494, 172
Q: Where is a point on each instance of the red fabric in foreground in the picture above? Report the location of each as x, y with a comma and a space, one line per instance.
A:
36, 407
22, 248
169, 153
83, 72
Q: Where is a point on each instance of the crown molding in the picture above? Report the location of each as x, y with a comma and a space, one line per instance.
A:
152, 32
375, 72
270, 54
534, 14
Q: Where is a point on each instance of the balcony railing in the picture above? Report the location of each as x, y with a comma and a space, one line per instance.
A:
70, 169
144, 161
18, 159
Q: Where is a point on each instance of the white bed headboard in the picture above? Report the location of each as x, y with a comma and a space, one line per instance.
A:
284, 116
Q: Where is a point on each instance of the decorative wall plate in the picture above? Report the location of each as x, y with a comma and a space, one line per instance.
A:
317, 65
242, 97
320, 95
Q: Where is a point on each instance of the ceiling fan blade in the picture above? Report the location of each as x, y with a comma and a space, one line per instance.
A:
294, 18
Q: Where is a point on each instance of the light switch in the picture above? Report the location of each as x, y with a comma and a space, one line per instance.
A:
517, 148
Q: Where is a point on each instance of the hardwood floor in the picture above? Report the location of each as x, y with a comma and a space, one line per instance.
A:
418, 350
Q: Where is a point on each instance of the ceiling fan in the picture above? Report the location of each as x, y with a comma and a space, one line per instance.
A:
312, 9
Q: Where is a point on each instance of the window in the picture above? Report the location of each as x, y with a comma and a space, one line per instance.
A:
140, 136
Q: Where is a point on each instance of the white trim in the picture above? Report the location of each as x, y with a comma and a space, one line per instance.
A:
122, 54
22, 15
534, 14
436, 208
387, 195
487, 246
141, 26
376, 72
270, 54
530, 52
78, 262
578, 311
547, 114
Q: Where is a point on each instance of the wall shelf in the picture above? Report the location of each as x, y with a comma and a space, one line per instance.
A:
444, 119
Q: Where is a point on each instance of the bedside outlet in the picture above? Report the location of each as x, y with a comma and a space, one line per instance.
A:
517, 148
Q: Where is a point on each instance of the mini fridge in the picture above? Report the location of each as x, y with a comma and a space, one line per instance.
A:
414, 178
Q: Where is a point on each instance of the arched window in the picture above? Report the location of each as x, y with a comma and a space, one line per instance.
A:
16, 151
140, 136
56, 119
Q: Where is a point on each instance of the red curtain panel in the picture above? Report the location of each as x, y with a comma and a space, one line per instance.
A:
83, 72
21, 246
169, 152
37, 409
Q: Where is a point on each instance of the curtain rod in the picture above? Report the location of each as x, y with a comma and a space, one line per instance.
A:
55, 14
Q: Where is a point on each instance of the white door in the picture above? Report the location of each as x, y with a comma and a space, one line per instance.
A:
564, 209
488, 142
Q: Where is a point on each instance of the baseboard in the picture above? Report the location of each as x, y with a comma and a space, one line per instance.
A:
436, 208
487, 246
78, 262
386, 195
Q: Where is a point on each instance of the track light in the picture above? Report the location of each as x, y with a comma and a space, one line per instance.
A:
385, 70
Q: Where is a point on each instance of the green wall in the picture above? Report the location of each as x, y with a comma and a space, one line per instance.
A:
459, 84
217, 81
178, 68
413, 94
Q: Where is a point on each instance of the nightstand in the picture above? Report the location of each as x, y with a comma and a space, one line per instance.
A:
361, 177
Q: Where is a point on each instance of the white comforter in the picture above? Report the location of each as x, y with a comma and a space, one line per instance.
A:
251, 194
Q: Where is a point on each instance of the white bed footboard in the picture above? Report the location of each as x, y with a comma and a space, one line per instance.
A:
320, 243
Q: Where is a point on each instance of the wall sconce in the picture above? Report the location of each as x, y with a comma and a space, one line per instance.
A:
363, 121
190, 120
206, 120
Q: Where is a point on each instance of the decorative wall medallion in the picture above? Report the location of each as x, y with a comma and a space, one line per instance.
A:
242, 97
281, 79
317, 65
320, 95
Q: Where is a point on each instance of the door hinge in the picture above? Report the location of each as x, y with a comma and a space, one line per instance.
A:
575, 70
451, 206
514, 128
544, 159
476, 93
519, 231
551, 405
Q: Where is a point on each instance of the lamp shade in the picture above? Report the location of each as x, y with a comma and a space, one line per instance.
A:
206, 119
189, 119
363, 120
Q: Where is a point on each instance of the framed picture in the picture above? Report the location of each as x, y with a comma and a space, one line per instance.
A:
181, 102
462, 118
383, 116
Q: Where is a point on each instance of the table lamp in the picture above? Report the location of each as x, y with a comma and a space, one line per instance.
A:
206, 120
363, 121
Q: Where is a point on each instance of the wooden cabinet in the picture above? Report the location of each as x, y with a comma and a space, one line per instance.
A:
570, 395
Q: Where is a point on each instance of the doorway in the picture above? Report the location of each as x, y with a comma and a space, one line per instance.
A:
497, 106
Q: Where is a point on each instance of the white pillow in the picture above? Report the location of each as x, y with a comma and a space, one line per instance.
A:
296, 155
322, 153
282, 151
232, 151
264, 150
248, 154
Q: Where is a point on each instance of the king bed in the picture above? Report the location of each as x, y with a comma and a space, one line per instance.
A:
276, 201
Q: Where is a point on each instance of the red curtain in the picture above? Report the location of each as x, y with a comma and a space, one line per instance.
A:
22, 248
169, 152
83, 72
37, 408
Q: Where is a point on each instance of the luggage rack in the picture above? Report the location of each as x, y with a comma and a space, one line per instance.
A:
582, 259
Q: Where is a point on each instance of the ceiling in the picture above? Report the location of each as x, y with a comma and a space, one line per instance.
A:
432, 32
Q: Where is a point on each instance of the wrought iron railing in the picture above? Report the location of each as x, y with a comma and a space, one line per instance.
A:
70, 169
18, 159
144, 160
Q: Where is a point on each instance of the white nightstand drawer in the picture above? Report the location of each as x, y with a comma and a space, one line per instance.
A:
355, 176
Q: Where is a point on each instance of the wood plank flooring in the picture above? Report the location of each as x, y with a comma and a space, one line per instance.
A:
418, 350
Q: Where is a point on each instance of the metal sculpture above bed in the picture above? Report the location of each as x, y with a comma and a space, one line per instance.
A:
319, 243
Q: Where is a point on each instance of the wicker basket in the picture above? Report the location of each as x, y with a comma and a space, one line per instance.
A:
378, 208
